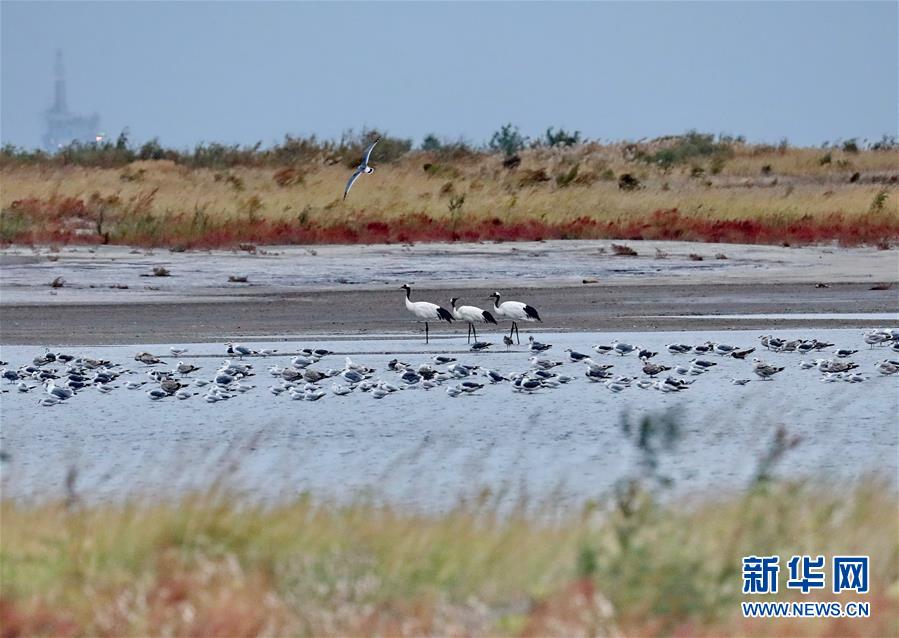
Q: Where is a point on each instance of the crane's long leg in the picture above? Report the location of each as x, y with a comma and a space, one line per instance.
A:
426, 331
469, 332
475, 331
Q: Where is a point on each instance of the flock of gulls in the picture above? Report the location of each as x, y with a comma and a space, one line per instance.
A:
305, 376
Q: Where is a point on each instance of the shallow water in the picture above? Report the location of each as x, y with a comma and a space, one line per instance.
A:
426, 449
803, 316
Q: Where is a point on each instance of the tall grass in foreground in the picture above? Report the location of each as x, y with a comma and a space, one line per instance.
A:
215, 565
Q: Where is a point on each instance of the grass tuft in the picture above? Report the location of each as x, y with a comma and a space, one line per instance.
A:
211, 564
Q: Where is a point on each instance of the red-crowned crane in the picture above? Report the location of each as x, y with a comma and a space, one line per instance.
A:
514, 310
425, 310
471, 314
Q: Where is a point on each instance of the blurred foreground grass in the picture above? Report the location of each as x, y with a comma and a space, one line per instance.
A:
215, 565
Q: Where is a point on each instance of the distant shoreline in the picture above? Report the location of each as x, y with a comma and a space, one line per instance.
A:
109, 296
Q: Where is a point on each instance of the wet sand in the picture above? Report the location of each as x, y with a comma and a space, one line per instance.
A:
109, 297
588, 308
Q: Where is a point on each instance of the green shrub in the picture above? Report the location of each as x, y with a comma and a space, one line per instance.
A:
13, 225
683, 148
431, 143
508, 140
389, 149
151, 151
879, 201
717, 164
562, 137
455, 203
886, 143
565, 178
437, 169
628, 182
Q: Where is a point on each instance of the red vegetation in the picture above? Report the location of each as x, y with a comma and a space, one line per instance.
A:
36, 618
98, 220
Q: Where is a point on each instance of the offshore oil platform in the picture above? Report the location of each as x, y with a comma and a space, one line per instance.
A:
63, 127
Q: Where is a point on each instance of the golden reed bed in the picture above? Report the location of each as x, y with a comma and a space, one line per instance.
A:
732, 192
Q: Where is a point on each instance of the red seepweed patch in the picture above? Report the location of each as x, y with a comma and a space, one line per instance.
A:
71, 220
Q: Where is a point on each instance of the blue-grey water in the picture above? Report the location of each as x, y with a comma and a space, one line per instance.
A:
427, 449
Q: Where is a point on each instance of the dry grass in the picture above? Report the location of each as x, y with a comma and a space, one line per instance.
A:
212, 565
475, 197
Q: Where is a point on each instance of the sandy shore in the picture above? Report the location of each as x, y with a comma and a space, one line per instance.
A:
585, 308
354, 290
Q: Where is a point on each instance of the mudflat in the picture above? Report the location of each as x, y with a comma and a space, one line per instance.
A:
109, 294
590, 308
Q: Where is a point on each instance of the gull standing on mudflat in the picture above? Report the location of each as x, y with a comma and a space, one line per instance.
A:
576, 356
887, 367
185, 368
764, 370
678, 348
875, 338
829, 365
60, 393
622, 348
724, 349
147, 358
652, 369
362, 168
235, 349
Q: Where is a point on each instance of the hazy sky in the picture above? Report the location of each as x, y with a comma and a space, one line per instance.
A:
251, 71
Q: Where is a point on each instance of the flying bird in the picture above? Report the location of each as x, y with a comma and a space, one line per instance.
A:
362, 168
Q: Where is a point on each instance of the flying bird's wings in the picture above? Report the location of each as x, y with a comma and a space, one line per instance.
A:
352, 180
368, 152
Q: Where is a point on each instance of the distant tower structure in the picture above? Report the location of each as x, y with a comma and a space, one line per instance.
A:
62, 127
